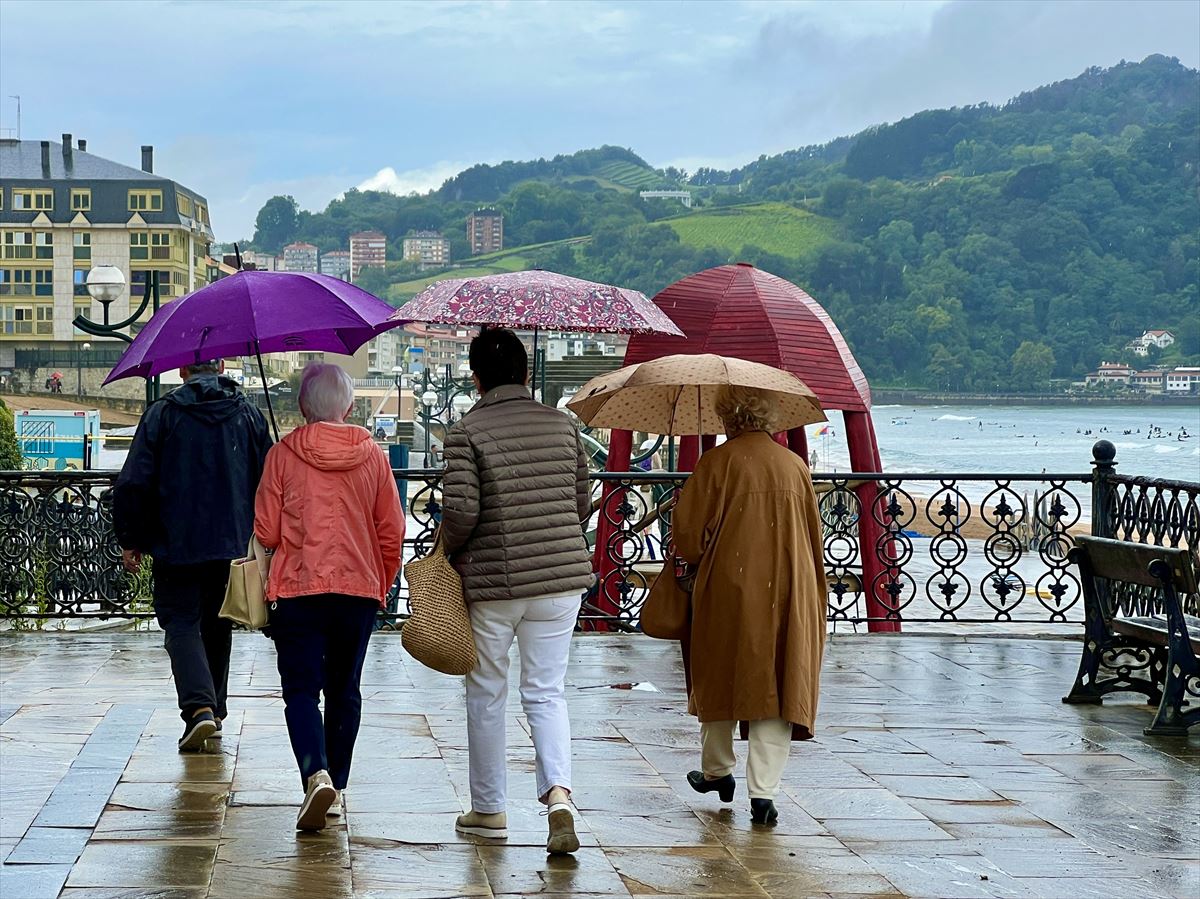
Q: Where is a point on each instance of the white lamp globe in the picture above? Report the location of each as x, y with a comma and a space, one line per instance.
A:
105, 283
429, 399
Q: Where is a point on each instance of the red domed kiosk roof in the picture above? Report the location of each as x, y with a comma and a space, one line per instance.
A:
744, 312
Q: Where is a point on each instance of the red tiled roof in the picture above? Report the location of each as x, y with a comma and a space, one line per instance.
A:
744, 312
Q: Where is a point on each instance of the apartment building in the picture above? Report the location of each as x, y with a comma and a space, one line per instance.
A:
428, 248
336, 264
368, 249
63, 211
300, 257
485, 231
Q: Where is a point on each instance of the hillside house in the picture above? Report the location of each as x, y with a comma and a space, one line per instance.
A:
1156, 338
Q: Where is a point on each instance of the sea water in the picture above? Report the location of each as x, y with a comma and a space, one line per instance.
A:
1151, 441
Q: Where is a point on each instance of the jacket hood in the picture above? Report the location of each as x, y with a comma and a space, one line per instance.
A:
212, 398
331, 447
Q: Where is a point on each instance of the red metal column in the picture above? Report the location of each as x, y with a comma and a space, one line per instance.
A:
864, 457
797, 442
620, 452
689, 453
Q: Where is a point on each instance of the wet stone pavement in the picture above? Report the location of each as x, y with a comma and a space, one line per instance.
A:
944, 766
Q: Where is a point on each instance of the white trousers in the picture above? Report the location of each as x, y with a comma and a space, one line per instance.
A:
542, 628
770, 742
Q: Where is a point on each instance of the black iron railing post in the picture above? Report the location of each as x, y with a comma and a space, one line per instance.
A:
1104, 465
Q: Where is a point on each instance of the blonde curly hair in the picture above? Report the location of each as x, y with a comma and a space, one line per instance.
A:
744, 409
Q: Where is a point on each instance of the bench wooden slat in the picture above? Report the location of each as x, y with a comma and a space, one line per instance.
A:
1119, 560
1154, 630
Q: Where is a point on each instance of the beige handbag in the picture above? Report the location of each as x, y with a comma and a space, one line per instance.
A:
246, 593
438, 635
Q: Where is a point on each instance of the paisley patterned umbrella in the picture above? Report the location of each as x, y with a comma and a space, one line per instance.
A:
537, 301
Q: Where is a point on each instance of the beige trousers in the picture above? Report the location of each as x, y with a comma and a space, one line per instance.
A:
770, 742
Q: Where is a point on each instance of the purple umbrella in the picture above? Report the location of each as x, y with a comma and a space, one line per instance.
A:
252, 313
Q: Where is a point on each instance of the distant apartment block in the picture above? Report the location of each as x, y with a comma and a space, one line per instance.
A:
485, 231
262, 262
336, 264
368, 249
429, 248
64, 210
300, 257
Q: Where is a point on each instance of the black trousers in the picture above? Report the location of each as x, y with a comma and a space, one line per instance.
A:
187, 599
321, 642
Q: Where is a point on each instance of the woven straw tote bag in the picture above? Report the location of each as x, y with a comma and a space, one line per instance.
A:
438, 635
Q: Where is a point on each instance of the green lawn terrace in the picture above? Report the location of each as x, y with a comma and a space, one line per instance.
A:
942, 767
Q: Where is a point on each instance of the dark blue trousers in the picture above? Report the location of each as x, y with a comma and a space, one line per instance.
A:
321, 642
187, 599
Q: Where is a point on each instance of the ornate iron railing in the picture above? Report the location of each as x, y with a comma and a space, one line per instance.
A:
968, 548
1157, 511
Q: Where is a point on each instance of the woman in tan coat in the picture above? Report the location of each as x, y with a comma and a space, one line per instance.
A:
747, 520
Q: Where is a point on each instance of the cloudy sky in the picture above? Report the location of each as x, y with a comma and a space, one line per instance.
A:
244, 99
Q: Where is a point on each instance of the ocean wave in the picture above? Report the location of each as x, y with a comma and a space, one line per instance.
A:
949, 417
888, 406
1167, 449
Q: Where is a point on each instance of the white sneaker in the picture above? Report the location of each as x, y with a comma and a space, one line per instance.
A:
336, 808
562, 839
317, 800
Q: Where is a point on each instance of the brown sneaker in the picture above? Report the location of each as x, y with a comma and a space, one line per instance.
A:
317, 799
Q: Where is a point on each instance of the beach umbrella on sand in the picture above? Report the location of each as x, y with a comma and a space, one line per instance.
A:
677, 395
537, 301
252, 313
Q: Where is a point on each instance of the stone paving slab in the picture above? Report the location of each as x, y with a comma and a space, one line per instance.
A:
944, 766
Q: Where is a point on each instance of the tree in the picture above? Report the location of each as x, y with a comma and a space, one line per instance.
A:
1032, 365
373, 280
277, 224
10, 450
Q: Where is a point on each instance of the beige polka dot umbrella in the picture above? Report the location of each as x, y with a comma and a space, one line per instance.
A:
677, 395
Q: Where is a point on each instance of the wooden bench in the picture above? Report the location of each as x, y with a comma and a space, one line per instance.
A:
1136, 634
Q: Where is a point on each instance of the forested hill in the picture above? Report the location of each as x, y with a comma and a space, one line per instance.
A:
980, 248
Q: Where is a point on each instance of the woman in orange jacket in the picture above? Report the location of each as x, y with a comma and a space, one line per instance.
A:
328, 507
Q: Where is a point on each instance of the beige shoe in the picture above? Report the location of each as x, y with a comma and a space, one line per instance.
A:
337, 807
562, 839
317, 800
491, 827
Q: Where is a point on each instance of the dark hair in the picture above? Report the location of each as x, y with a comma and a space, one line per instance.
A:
203, 368
498, 357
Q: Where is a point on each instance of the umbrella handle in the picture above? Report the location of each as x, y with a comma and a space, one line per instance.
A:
263, 376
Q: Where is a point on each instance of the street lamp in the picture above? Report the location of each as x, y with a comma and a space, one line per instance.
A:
79, 351
462, 403
105, 283
428, 400
398, 379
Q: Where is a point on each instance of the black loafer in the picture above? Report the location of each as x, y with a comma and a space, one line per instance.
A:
763, 811
724, 786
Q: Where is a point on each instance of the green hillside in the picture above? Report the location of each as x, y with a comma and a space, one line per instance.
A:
774, 227
985, 247
631, 175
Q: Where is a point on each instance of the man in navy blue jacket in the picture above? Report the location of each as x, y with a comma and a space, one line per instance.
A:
185, 497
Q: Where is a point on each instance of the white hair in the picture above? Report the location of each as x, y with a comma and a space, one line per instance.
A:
326, 392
